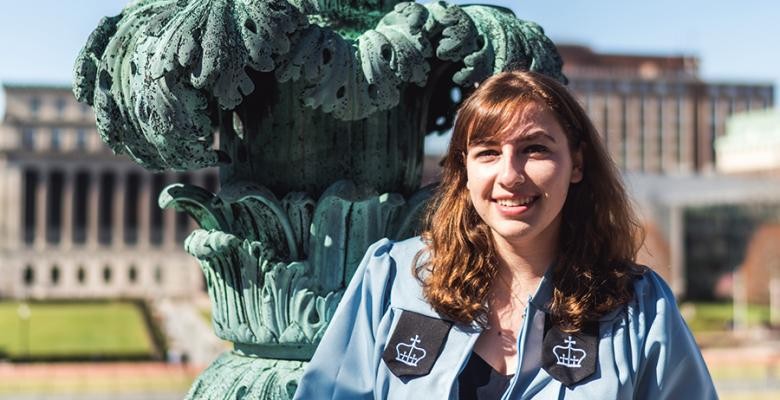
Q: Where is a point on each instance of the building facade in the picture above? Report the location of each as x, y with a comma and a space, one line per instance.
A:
655, 113
78, 221
751, 145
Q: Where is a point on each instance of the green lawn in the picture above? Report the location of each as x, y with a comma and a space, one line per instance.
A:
718, 316
73, 329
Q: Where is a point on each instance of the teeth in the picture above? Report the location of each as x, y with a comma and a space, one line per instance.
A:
515, 202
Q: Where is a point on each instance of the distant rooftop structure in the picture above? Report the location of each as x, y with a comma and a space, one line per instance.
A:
751, 144
654, 112
582, 61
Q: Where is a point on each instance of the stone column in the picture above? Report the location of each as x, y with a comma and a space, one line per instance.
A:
11, 205
169, 220
144, 201
41, 196
118, 212
93, 206
68, 193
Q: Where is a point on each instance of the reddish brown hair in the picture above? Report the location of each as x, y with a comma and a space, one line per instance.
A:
599, 234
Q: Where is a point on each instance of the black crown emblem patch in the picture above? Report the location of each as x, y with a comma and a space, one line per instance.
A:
415, 344
570, 357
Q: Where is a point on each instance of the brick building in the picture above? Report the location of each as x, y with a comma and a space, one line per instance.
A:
655, 113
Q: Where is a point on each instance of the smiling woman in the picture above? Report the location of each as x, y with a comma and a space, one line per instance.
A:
518, 184
523, 283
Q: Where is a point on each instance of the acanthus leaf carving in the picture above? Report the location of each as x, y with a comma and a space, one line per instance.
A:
160, 72
261, 293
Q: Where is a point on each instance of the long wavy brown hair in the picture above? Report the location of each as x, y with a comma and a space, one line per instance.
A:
599, 234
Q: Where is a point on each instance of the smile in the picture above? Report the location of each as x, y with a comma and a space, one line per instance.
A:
518, 202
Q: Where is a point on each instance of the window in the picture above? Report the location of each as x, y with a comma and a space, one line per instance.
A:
107, 274
81, 275
81, 139
60, 105
28, 139
35, 106
158, 275
55, 275
132, 274
56, 139
29, 275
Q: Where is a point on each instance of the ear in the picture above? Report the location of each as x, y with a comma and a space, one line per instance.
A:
577, 165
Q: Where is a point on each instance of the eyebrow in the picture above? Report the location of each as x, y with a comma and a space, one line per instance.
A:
523, 138
535, 135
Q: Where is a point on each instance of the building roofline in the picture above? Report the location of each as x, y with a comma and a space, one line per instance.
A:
36, 86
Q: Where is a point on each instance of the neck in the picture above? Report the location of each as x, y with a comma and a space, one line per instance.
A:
524, 268
523, 264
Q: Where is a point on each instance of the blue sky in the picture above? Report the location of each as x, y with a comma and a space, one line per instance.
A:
39, 39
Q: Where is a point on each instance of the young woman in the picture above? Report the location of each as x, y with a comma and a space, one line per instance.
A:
522, 284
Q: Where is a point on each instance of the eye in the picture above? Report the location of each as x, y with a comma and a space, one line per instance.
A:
536, 149
485, 154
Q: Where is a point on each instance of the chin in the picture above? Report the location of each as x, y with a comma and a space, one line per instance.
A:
514, 234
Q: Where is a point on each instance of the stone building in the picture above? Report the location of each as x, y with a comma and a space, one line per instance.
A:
76, 220
655, 113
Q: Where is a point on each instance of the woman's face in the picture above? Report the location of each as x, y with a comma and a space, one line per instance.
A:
518, 184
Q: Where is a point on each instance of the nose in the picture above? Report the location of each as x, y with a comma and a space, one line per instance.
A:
512, 166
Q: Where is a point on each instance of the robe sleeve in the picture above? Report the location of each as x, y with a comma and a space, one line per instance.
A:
671, 364
345, 362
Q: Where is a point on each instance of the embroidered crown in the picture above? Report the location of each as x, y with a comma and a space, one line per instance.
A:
569, 356
410, 354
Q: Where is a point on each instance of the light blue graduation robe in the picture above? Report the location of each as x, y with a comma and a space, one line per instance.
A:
645, 349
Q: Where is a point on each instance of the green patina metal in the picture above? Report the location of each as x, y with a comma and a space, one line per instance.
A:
321, 108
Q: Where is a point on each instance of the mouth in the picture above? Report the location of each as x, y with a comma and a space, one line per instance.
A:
517, 201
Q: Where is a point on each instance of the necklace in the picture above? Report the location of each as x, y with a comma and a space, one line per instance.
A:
512, 294
511, 291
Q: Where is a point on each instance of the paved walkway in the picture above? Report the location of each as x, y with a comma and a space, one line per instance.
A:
117, 381
105, 396
746, 372
740, 373
189, 335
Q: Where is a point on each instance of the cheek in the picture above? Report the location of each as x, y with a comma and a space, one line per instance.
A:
544, 172
475, 179
552, 177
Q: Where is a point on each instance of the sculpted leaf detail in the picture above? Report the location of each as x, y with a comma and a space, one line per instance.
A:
263, 293
156, 73
232, 376
507, 43
199, 203
159, 73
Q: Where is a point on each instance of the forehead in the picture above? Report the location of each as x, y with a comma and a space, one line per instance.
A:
517, 123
